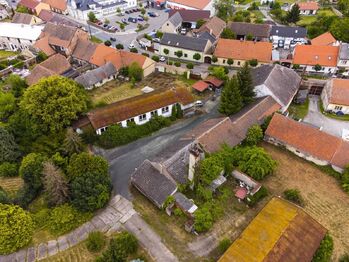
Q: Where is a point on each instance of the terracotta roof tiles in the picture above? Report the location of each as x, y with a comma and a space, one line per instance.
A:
198, 4
326, 39
313, 55
339, 91
311, 5
57, 4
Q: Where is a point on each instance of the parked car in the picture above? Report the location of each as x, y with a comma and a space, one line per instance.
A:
100, 23
124, 20
132, 20
134, 10
156, 40
162, 59
151, 14
183, 31
140, 18
131, 45
127, 11
113, 39
198, 103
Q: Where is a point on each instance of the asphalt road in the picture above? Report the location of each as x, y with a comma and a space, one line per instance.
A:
124, 160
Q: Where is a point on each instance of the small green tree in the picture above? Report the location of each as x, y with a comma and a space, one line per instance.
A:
179, 111
135, 71
294, 196
253, 62
16, 228
246, 84
122, 27
293, 16
166, 51
73, 142
107, 21
16, 84
219, 72
230, 61
179, 53
324, 252
119, 46
254, 135
224, 244
318, 67
249, 37
214, 59
200, 23
190, 65
197, 56
41, 57
227, 33
118, 10
143, 11
203, 220
159, 34
92, 17
231, 101
9, 151
22, 9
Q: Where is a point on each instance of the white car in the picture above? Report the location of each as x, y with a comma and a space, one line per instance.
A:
162, 59
131, 46
198, 103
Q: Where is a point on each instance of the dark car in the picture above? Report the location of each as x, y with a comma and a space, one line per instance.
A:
127, 12
113, 39
132, 20
134, 10
140, 18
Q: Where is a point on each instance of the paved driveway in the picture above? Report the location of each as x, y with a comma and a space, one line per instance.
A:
316, 118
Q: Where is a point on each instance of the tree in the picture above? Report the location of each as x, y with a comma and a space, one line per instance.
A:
118, 10
324, 252
55, 184
122, 26
340, 29
143, 11
190, 65
294, 196
90, 191
8, 148
7, 104
41, 57
135, 71
245, 84
253, 62
179, 53
219, 72
200, 23
107, 43
230, 61
214, 59
95, 241
159, 34
317, 67
8, 169
227, 33
119, 46
92, 17
343, 5
166, 51
224, 244
254, 135
54, 102
197, 56
16, 84
203, 219
293, 16
107, 21
22, 9
73, 142
231, 101
16, 228
249, 37
224, 8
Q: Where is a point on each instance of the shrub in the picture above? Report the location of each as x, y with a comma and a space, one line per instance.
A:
253, 200
133, 50
230, 61
324, 252
170, 62
203, 219
95, 241
16, 228
344, 258
65, 218
4, 198
224, 244
119, 46
178, 212
41, 218
107, 43
135, 71
190, 65
8, 169
145, 54
294, 196
253, 62
254, 135
177, 64
214, 59
155, 58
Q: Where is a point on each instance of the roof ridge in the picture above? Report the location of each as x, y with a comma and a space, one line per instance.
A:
252, 108
210, 129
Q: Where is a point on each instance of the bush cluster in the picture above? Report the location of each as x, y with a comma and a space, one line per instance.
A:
95, 241
294, 196
324, 252
258, 196
8, 169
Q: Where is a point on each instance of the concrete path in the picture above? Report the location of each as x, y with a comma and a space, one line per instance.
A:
117, 215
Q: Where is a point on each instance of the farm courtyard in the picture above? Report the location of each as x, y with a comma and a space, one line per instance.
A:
323, 197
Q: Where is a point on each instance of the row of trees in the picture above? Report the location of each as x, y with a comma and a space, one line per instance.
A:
238, 92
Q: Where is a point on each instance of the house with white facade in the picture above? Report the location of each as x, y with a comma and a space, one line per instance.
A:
79, 9
138, 110
279, 82
192, 5
343, 57
17, 37
172, 44
4, 12
286, 35
335, 96
308, 142
307, 8
316, 59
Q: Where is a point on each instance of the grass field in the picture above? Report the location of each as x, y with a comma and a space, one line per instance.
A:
11, 184
5, 54
96, 40
299, 111
307, 20
323, 197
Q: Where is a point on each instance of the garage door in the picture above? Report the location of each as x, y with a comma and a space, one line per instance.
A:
315, 90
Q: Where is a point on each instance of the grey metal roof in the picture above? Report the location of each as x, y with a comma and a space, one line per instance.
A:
282, 82
97, 75
344, 51
183, 202
153, 184
207, 36
177, 165
184, 42
288, 31
176, 19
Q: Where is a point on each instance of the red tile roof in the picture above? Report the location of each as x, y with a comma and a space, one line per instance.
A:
309, 140
324, 39
57, 4
214, 81
31, 4
311, 5
201, 86
244, 50
312, 55
197, 4
339, 91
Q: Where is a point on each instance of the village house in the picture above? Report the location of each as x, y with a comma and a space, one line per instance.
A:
50, 16
187, 18
98, 76
335, 96
34, 6
241, 52
307, 8
343, 58
4, 12
58, 38
284, 36
316, 59
192, 5
247, 185
173, 24
27, 19
280, 82
139, 109
308, 142
17, 37
280, 230
54, 65
188, 46
258, 32
325, 39
214, 26
79, 9
57, 6
83, 52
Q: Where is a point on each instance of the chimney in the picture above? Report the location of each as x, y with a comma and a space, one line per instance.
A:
196, 154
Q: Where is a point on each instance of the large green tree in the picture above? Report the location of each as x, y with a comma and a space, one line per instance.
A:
7, 105
343, 5
54, 102
246, 84
8, 148
135, 71
227, 33
224, 8
231, 101
254, 135
16, 84
73, 142
16, 228
293, 16
340, 29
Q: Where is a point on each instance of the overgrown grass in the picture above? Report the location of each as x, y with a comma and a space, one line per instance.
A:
96, 40
299, 111
5, 54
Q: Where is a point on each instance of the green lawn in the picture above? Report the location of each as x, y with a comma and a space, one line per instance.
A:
334, 116
299, 111
5, 54
96, 40
307, 20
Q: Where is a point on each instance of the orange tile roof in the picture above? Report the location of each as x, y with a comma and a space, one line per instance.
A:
198, 4
200, 86
339, 91
324, 39
214, 81
57, 4
31, 4
244, 50
308, 5
43, 45
312, 55
132, 107
309, 140
98, 58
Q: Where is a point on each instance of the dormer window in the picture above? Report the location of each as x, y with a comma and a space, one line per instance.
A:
296, 31
316, 57
177, 44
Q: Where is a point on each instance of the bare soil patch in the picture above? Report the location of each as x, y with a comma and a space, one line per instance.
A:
324, 199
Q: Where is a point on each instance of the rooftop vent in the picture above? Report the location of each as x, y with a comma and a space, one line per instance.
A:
296, 31
177, 44
316, 57
329, 58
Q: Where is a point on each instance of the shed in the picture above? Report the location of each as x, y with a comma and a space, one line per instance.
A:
185, 204
201, 86
215, 82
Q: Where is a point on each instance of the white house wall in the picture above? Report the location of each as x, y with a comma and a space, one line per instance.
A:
189, 53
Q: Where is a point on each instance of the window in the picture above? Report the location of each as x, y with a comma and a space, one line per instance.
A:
223, 61
338, 108
165, 109
185, 55
130, 120
142, 117
154, 113
239, 63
